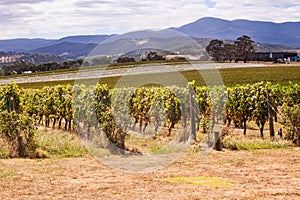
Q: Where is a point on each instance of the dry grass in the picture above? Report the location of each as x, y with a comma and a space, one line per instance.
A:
262, 174
212, 182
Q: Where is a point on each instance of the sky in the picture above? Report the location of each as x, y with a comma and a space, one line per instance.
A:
54, 19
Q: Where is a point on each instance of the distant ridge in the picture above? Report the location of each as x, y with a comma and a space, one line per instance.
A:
67, 49
23, 44
278, 35
26, 45
85, 39
287, 33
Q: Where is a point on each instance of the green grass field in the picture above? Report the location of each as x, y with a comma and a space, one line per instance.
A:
230, 76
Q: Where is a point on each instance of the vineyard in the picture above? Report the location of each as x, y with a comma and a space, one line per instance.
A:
107, 117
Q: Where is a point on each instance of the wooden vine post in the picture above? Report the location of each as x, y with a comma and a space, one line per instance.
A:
270, 115
192, 113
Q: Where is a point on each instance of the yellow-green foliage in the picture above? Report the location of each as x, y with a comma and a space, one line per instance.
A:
162, 150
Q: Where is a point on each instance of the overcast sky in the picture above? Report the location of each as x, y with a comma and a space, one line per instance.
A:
59, 18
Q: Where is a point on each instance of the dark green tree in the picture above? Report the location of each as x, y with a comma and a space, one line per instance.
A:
229, 52
216, 49
125, 60
154, 56
244, 48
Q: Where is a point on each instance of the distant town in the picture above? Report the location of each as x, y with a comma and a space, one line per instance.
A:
10, 57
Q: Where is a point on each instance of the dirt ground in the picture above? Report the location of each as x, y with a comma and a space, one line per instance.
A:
262, 174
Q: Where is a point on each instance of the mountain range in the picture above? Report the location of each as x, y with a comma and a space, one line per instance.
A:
175, 39
287, 33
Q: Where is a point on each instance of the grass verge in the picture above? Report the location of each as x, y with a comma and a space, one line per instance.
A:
162, 150
254, 144
4, 151
252, 141
60, 144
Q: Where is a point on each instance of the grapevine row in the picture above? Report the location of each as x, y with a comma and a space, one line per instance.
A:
116, 111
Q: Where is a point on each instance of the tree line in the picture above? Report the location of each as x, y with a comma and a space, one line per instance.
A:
20, 67
242, 49
151, 56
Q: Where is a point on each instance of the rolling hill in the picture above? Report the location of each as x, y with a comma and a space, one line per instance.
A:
268, 34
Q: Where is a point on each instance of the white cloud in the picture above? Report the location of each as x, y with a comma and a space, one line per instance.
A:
56, 18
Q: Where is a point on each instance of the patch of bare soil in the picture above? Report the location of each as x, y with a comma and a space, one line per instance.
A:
263, 174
